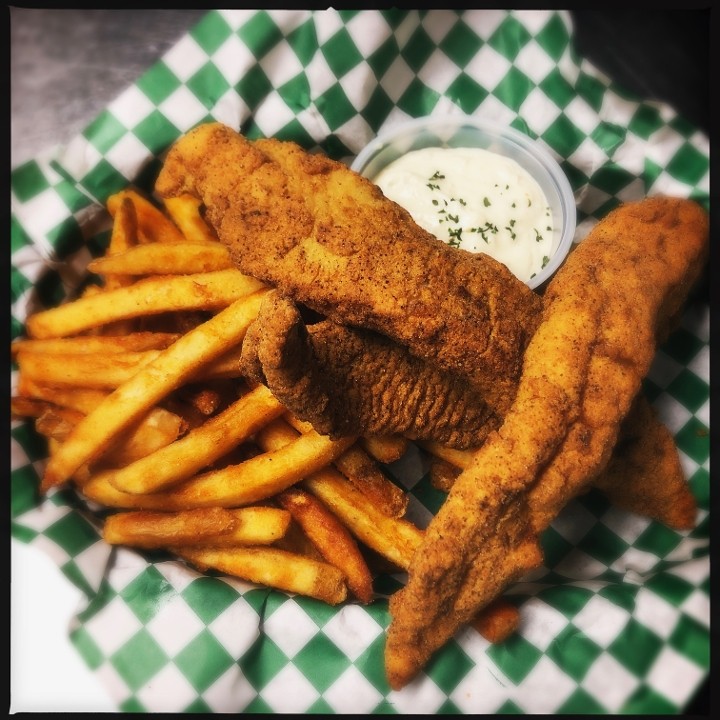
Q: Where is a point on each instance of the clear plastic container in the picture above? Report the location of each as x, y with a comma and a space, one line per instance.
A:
466, 131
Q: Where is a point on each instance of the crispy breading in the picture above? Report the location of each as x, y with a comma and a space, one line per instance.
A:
348, 381
644, 475
329, 239
581, 373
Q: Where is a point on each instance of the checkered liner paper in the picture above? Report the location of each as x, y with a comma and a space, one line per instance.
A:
617, 620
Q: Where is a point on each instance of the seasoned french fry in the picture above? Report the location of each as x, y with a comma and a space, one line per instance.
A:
128, 403
364, 473
497, 621
331, 538
24, 407
124, 233
57, 423
82, 344
443, 474
296, 541
458, 458
164, 259
201, 527
386, 449
157, 429
124, 236
204, 400
273, 568
82, 399
110, 370
393, 538
200, 447
251, 481
152, 225
153, 432
185, 212
149, 296
96, 370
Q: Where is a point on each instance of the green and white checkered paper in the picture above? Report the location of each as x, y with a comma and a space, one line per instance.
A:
617, 620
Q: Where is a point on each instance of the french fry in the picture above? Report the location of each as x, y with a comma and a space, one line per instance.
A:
497, 621
157, 420
386, 449
331, 538
91, 290
443, 474
57, 423
458, 458
124, 233
24, 407
110, 370
82, 399
202, 527
204, 400
185, 212
128, 403
96, 370
362, 470
157, 429
83, 344
149, 296
124, 236
200, 447
393, 538
248, 482
273, 568
152, 225
296, 541
163, 259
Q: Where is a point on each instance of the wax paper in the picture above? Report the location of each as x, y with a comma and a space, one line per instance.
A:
617, 619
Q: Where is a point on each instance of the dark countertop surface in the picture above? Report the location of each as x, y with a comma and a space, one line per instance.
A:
67, 65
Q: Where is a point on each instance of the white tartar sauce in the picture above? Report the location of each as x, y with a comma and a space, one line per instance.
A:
476, 200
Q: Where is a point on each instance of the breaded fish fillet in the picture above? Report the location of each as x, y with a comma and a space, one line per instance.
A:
581, 373
644, 475
329, 239
348, 381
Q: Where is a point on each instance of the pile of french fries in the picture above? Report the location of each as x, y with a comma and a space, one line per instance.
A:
136, 386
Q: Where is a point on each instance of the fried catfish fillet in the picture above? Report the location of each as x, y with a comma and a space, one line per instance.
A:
348, 381
328, 238
644, 474
582, 371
